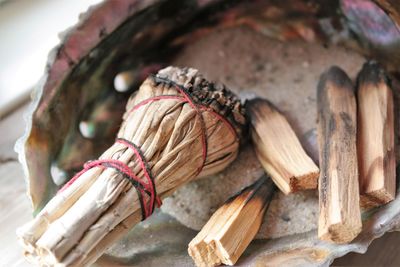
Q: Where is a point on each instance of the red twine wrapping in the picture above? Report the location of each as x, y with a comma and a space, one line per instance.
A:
149, 187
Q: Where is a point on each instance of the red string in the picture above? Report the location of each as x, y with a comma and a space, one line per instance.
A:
124, 169
183, 100
146, 170
149, 187
203, 127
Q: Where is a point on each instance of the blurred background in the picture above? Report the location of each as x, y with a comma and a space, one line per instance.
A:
28, 31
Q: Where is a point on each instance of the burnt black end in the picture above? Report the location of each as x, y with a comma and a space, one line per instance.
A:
372, 72
334, 76
337, 77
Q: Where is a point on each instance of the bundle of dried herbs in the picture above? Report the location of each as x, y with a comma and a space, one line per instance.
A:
178, 126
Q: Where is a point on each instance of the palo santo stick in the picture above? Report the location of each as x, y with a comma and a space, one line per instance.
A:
176, 127
340, 217
376, 149
279, 150
232, 227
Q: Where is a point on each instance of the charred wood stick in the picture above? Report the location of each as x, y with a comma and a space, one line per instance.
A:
339, 218
279, 150
376, 149
233, 226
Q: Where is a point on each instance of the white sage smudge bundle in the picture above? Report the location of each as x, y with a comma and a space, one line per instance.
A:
176, 127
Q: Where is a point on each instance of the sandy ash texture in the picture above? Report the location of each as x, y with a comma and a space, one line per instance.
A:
285, 73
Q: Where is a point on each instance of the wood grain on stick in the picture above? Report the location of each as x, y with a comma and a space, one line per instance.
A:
233, 226
376, 148
279, 150
340, 217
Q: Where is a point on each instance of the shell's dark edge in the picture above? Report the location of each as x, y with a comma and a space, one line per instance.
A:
392, 8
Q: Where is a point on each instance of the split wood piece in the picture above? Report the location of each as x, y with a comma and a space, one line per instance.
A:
233, 226
279, 150
376, 149
340, 217
82, 221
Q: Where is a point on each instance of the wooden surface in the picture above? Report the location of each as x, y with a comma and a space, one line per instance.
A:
15, 208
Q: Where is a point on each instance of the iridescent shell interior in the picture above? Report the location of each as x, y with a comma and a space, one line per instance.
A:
76, 111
